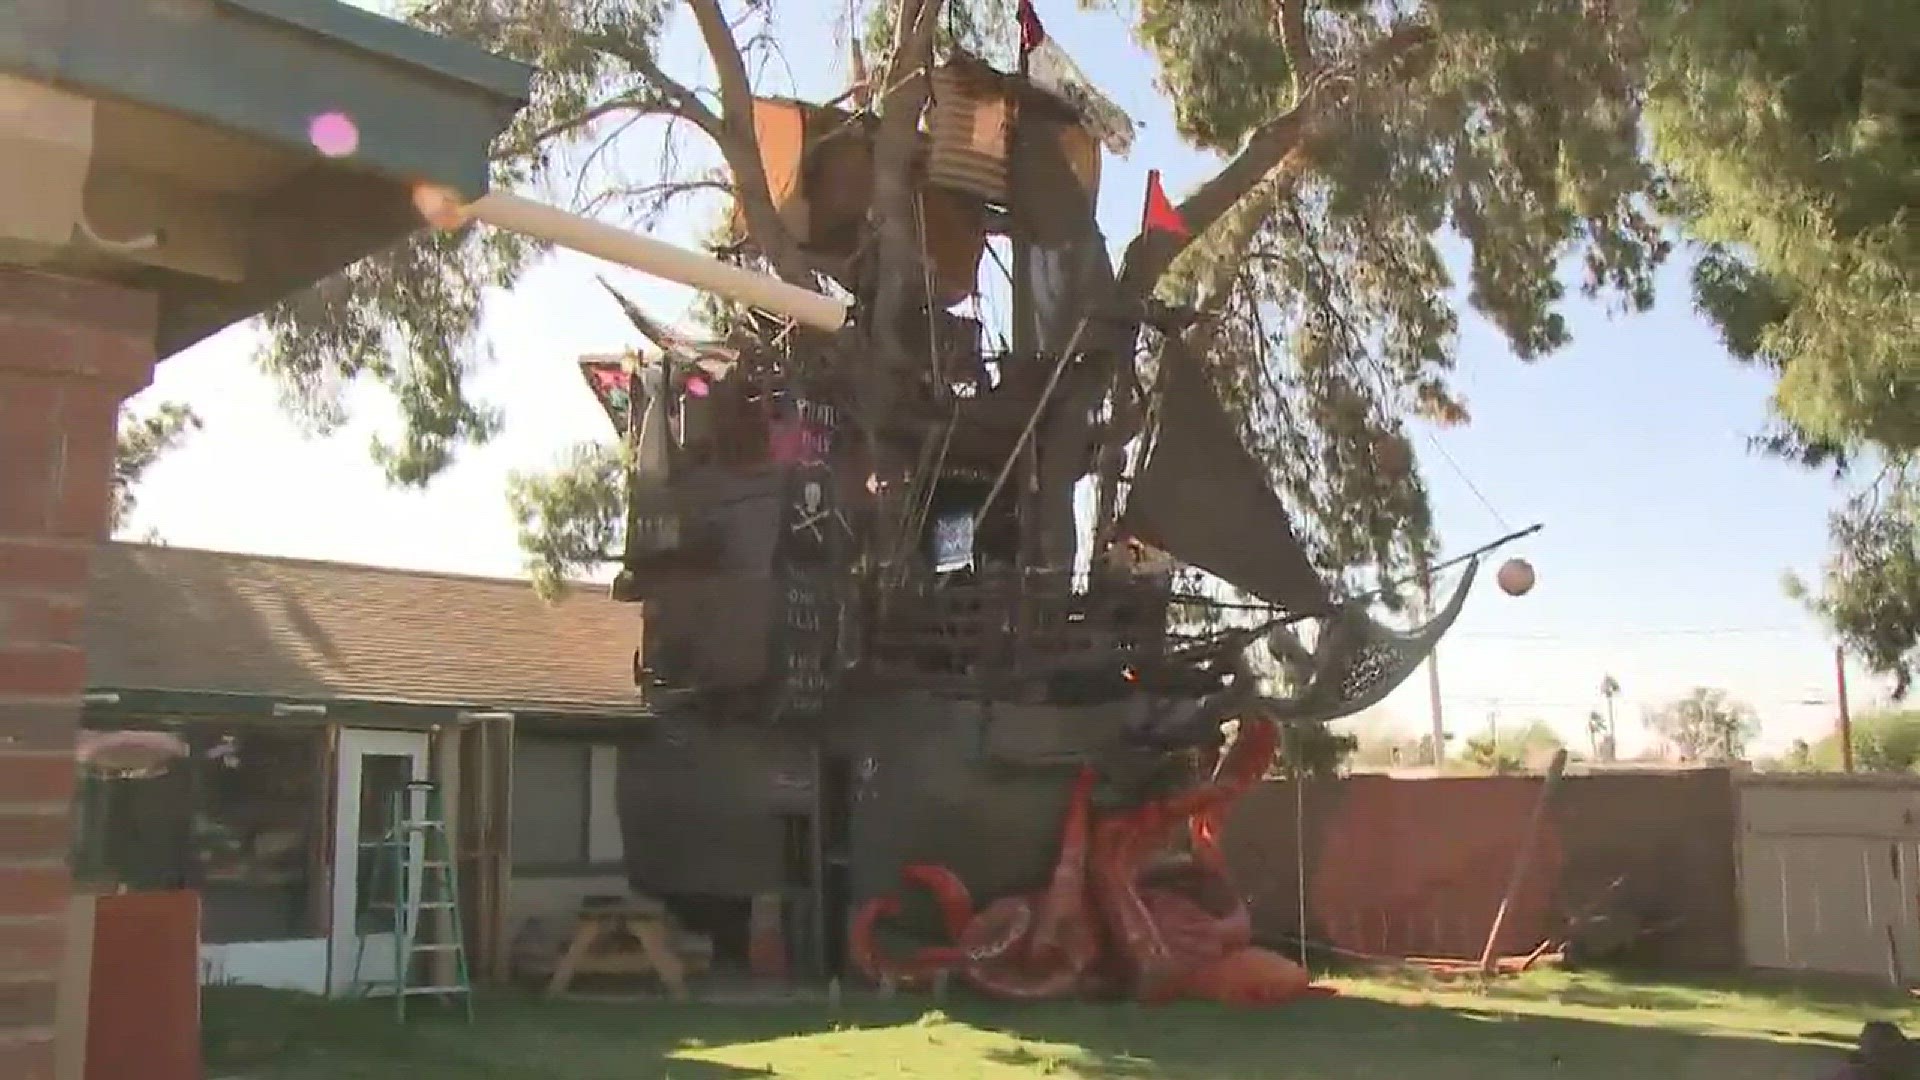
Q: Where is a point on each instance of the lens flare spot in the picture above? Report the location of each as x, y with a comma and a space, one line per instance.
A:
333, 134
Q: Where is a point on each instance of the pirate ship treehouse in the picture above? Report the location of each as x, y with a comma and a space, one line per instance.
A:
875, 631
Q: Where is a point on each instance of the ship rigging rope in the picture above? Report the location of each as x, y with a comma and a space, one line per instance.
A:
1219, 640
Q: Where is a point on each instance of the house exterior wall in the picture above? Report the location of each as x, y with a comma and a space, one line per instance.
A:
70, 352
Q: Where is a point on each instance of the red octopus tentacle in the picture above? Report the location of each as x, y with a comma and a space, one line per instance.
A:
956, 911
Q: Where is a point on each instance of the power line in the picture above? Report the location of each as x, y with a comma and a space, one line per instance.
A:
1619, 635
1507, 704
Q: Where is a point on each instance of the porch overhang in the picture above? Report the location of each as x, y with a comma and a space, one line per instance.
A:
172, 145
111, 708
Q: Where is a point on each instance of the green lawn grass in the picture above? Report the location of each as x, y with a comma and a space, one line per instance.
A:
1548, 1025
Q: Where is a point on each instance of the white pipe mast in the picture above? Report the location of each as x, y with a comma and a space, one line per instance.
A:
643, 253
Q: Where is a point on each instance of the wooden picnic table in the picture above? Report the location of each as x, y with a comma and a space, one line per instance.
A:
630, 921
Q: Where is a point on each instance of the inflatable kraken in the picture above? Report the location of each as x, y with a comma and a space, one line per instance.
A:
1110, 922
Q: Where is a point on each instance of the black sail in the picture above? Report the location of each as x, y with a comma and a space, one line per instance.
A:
1202, 498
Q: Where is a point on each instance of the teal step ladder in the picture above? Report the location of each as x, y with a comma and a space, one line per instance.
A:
414, 885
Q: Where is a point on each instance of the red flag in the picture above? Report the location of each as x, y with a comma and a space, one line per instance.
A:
1031, 32
1161, 213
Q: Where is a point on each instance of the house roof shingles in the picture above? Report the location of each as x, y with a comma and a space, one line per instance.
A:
179, 619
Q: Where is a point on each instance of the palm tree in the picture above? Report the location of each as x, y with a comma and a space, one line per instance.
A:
1610, 689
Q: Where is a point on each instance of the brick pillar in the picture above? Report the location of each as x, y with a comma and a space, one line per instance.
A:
70, 352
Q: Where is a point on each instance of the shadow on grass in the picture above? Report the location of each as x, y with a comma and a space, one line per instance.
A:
265, 1036
1837, 1004
1355, 1038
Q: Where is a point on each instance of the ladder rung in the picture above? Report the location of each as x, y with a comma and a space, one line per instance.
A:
438, 946
414, 991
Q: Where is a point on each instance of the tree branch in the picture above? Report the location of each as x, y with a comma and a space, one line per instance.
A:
680, 99
896, 143
635, 103
654, 197
1266, 150
732, 131
736, 88
1292, 17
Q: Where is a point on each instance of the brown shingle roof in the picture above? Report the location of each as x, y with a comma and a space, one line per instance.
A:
165, 618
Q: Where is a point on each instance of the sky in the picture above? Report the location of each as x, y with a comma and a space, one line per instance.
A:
1660, 563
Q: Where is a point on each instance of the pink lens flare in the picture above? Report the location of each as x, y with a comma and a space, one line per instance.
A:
333, 134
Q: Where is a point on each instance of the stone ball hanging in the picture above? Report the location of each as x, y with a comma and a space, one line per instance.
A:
1516, 577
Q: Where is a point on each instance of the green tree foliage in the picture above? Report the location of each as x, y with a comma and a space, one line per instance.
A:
1354, 138
1508, 126
410, 320
1529, 746
1705, 725
572, 515
1870, 589
1312, 750
1790, 132
1887, 741
144, 440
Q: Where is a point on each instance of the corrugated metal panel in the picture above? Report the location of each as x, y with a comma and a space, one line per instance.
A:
970, 119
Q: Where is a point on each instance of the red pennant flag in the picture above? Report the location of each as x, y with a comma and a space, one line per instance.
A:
1031, 32
1161, 213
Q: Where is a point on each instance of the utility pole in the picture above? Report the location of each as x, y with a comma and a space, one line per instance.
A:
1846, 719
1433, 677
1433, 699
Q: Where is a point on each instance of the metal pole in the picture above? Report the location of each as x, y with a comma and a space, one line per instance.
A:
1846, 718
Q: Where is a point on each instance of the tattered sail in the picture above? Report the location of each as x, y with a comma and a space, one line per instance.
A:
1358, 662
1049, 68
1202, 498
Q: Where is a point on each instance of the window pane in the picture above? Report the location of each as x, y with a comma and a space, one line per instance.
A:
258, 832
134, 831
550, 802
382, 776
